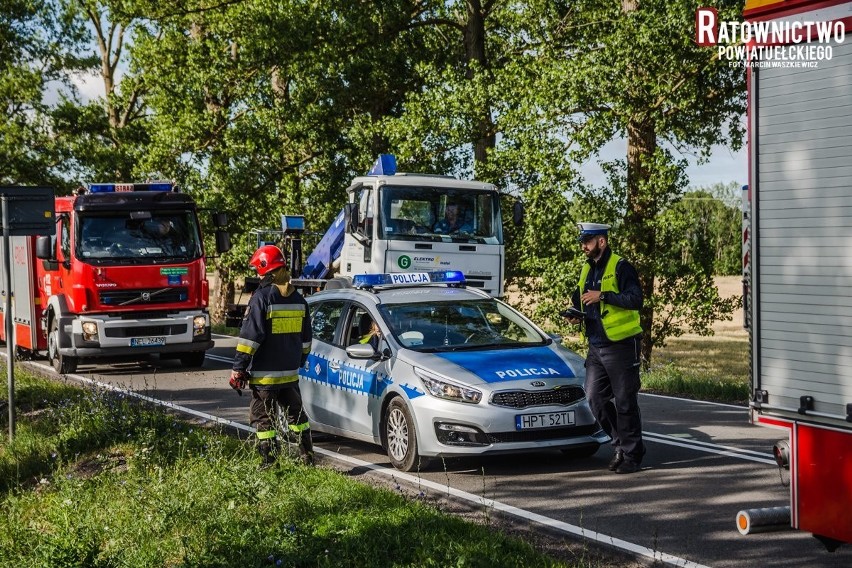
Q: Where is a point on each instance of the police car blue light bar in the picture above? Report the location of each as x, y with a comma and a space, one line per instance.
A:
408, 278
122, 187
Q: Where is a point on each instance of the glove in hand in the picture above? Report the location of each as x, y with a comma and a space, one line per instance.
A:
238, 381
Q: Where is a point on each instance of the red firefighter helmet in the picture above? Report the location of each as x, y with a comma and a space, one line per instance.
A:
267, 258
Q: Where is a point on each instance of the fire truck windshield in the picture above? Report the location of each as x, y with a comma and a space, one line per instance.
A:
440, 214
117, 237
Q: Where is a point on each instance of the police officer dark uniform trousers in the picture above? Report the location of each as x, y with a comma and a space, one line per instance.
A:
275, 339
610, 295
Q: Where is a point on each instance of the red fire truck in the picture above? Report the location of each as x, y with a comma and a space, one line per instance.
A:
123, 278
800, 178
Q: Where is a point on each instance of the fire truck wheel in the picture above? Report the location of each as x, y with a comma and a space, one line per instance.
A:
193, 359
62, 365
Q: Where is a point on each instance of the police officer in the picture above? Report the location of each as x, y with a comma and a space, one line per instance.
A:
610, 295
275, 338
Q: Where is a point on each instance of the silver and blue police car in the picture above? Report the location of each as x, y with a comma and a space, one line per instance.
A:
428, 368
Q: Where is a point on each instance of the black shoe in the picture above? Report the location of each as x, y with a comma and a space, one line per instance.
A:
616, 460
628, 466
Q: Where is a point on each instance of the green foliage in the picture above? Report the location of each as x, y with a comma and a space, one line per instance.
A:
261, 108
39, 43
714, 227
138, 488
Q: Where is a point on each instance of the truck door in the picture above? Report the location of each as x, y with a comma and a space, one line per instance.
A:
60, 278
358, 245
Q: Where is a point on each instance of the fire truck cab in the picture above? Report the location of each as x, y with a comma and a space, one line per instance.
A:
123, 277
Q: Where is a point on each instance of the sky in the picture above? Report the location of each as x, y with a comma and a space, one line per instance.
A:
724, 166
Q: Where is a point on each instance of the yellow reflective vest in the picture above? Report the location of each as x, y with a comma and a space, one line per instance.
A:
618, 323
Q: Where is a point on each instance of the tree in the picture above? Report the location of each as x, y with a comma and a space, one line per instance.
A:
714, 224
39, 46
661, 94
262, 109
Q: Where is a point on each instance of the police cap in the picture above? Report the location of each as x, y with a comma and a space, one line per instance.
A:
589, 230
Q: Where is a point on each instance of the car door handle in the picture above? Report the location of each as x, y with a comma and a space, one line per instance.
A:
334, 366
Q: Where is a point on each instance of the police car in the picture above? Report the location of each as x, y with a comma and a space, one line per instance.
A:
451, 372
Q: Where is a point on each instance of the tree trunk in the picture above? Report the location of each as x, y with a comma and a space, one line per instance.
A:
640, 232
474, 47
639, 221
223, 295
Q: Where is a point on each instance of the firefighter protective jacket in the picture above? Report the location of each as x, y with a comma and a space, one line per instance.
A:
275, 336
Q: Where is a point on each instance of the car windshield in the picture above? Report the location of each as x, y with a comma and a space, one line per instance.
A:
440, 214
127, 236
459, 325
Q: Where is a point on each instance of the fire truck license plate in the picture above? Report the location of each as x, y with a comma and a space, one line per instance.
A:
147, 341
544, 420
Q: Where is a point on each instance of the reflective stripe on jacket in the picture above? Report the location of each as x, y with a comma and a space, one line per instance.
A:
618, 323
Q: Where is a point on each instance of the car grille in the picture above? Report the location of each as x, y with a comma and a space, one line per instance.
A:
146, 331
525, 399
541, 435
138, 297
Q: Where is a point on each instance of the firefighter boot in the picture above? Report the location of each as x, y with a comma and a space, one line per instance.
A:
266, 449
306, 448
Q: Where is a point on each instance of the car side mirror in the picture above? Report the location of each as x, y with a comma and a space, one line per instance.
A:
555, 338
361, 351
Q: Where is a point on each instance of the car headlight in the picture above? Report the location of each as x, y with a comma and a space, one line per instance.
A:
198, 324
442, 388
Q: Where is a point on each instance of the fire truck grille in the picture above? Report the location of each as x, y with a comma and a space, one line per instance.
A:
524, 399
541, 435
143, 297
148, 330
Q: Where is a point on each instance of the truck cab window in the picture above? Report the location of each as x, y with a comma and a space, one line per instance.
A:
365, 212
163, 235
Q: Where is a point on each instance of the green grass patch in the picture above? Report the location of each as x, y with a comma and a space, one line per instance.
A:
97, 479
222, 329
713, 368
695, 384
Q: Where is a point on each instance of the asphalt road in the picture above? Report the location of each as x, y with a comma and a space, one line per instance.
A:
705, 463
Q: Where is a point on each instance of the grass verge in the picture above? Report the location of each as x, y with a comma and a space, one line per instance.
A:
97, 479
711, 368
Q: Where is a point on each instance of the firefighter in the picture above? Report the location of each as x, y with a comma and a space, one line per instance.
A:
610, 296
275, 338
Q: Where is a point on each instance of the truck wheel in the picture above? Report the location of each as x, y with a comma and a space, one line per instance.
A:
400, 438
192, 359
62, 365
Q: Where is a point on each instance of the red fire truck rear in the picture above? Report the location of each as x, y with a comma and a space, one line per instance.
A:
123, 278
800, 178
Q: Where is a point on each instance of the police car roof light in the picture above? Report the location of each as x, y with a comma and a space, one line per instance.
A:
408, 278
385, 166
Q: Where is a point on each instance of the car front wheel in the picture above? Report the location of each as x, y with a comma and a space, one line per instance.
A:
400, 437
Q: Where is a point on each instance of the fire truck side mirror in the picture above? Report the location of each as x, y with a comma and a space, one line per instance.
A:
220, 219
43, 249
223, 241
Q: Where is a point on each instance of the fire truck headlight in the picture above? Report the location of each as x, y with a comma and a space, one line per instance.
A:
199, 324
90, 331
781, 451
